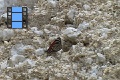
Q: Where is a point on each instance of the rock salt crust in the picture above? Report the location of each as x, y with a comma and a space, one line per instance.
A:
90, 36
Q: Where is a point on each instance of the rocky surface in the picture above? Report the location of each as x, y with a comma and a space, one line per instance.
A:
90, 33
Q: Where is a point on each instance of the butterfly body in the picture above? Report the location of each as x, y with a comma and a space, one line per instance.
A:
55, 46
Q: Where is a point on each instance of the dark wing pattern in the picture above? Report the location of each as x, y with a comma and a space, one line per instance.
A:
55, 46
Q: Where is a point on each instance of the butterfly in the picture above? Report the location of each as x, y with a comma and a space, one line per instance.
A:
55, 46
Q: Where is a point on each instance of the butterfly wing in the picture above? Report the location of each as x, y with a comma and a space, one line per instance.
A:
55, 46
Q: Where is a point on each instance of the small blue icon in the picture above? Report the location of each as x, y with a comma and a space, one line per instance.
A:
16, 16
16, 24
17, 9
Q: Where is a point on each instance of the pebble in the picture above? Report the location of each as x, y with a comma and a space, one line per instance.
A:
83, 26
89, 60
39, 51
38, 32
17, 58
31, 62
101, 57
71, 14
71, 32
6, 34
86, 7
4, 15
75, 66
3, 64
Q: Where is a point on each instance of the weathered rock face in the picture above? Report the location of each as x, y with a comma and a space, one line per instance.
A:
90, 35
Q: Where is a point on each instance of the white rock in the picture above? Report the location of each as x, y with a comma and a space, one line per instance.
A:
56, 19
94, 75
47, 31
17, 49
53, 2
8, 77
43, 12
104, 32
99, 78
71, 32
6, 42
1, 4
2, 48
17, 58
71, 13
93, 72
109, 3
89, 60
34, 28
75, 66
20, 49
30, 70
4, 15
76, 78
39, 32
49, 58
104, 36
101, 57
94, 69
3, 64
66, 66
20, 64
83, 26
74, 48
86, 7
28, 62
35, 79
39, 51
59, 74
31, 62
7, 34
